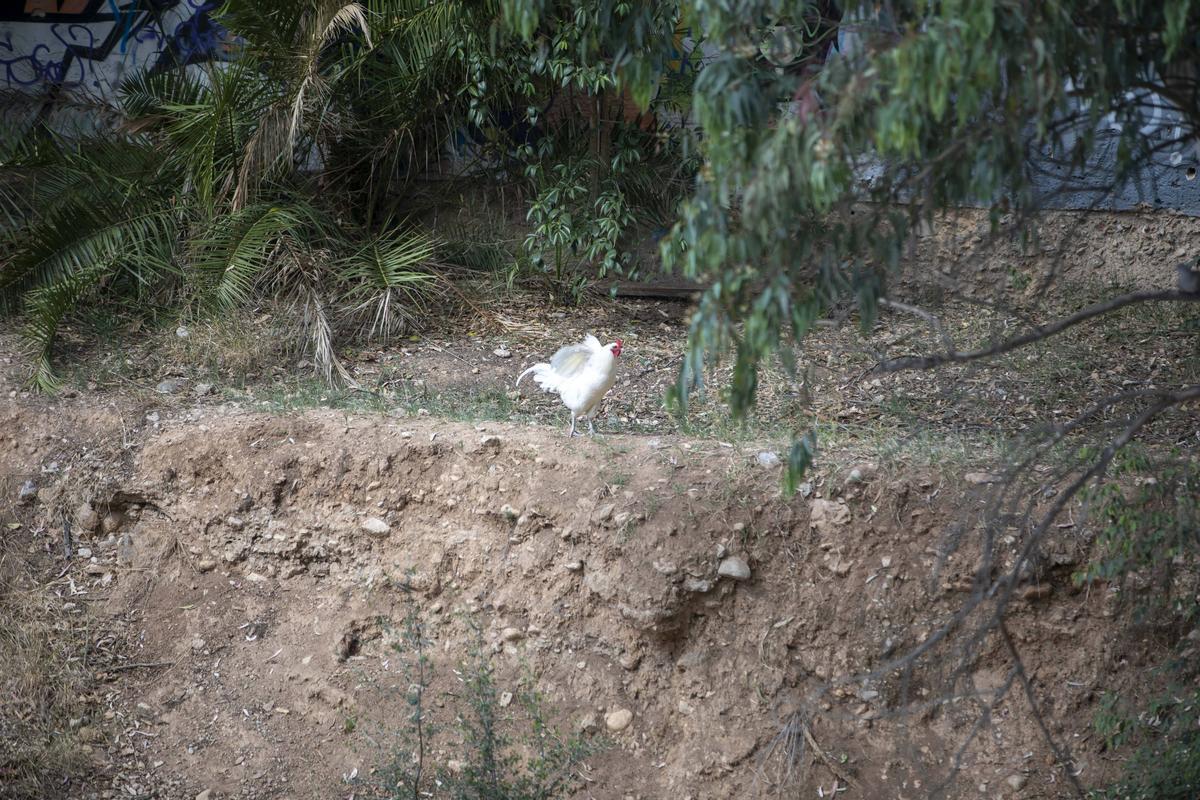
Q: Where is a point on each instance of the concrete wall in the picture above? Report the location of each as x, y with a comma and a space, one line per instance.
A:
86, 48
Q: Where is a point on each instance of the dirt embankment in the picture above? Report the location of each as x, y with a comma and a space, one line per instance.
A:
259, 569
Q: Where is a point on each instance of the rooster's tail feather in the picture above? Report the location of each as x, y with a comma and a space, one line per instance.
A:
537, 368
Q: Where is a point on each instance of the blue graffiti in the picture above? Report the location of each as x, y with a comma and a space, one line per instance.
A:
80, 49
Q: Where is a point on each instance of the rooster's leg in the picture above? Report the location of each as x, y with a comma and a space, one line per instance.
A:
572, 432
591, 427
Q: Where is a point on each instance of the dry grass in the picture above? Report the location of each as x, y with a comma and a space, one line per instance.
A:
43, 683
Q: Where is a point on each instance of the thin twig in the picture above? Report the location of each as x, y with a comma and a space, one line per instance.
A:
1037, 334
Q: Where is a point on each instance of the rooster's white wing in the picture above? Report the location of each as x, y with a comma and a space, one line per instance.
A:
571, 360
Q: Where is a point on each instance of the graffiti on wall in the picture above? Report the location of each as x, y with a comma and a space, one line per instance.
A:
89, 46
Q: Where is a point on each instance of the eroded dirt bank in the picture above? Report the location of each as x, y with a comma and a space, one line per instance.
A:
261, 567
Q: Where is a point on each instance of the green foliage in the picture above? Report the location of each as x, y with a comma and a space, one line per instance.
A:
1146, 526
1165, 764
813, 179
492, 764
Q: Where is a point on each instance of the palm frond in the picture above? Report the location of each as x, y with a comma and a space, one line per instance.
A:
46, 307
236, 250
390, 281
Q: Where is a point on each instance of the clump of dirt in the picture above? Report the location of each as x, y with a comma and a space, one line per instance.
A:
658, 591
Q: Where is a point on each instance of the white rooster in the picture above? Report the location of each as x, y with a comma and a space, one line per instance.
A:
581, 374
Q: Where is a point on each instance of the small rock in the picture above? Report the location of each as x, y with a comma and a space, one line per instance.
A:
767, 459
182, 332
630, 661
125, 550
236, 523
868, 694
490, 442
697, 585
202, 389
502, 352
198, 644
1017, 781
1039, 591
886, 561
376, 527
735, 568
618, 720
456, 766
980, 477
588, 724
27, 492
621, 519
574, 566
112, 522
826, 516
506, 699
512, 634
169, 386
153, 417
665, 567
605, 512
805, 489
84, 552
206, 565
86, 518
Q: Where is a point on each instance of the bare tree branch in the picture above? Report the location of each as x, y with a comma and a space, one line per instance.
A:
1037, 334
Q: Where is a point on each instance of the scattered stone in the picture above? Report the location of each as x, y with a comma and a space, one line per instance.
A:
574, 566
886, 561
978, 478
153, 418
86, 518
1036, 592
630, 661
502, 352
508, 512
621, 519
604, 512
617, 721
205, 795
1017, 781
589, 724
697, 585
169, 386
112, 522
868, 694
665, 568
506, 699
490, 442
767, 459
206, 565
125, 551
805, 489
456, 766
28, 492
182, 332
376, 527
841, 567
735, 568
826, 516
84, 552
202, 389
512, 634
198, 644
236, 523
